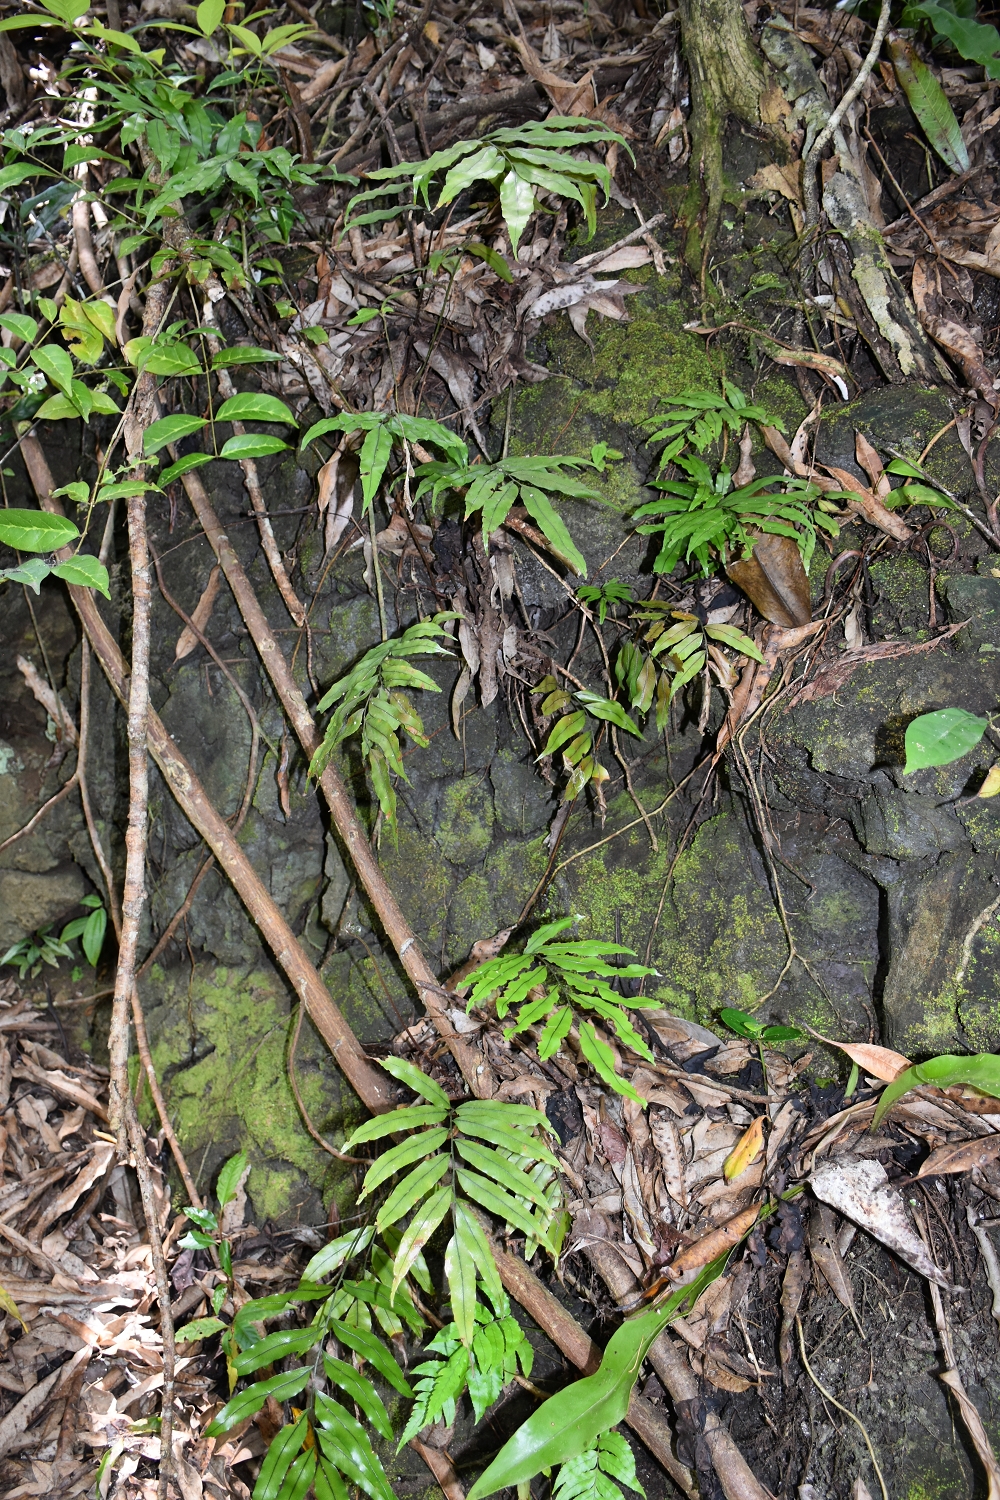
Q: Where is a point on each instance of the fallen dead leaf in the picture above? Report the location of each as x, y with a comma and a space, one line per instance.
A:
746, 1151
861, 1191
960, 1156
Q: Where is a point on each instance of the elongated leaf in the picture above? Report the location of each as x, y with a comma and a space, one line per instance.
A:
511, 1140
493, 1198
607, 708
564, 730
230, 1176
936, 739
344, 1442
251, 445
35, 530
403, 1155
517, 204
976, 43
86, 571
410, 1118
930, 104
460, 1274
299, 1477
369, 1347
601, 1059
373, 462
361, 1390
737, 639
55, 363
412, 1188
497, 1112
170, 430
415, 1079
981, 1071
328, 1483
570, 1422
541, 510
26, 328
477, 1245
200, 1328
246, 1403
275, 1346
172, 359
184, 465
255, 406
241, 355
423, 1225
500, 1171
278, 1459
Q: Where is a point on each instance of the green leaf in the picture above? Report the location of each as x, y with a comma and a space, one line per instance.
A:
500, 1171
493, 259
201, 1328
561, 544
562, 731
397, 1120
35, 530
20, 324
183, 466
607, 708
86, 571
601, 1059
275, 1346
976, 43
174, 359
981, 1072
344, 1442
278, 1459
741, 1022
251, 445
918, 494
929, 103
475, 1244
365, 1344
510, 1139
403, 1155
517, 204
416, 1079
937, 739
412, 1188
360, 1390
570, 1422
57, 409
56, 364
373, 461
333, 1255
243, 355
499, 1112
255, 406
14, 175
460, 1274
170, 430
229, 1178
493, 1198
419, 1231
730, 636
247, 1403
299, 1477
209, 14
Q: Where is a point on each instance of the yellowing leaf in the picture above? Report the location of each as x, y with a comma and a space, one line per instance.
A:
991, 785
10, 1306
746, 1151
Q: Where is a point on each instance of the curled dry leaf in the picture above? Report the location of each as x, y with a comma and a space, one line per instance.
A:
775, 581
880, 1062
716, 1242
867, 503
826, 1257
746, 1151
961, 1156
188, 640
861, 1191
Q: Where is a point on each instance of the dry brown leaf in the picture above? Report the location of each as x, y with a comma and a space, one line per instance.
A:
786, 180
977, 1432
712, 1244
187, 640
775, 581
960, 1156
826, 1257
868, 504
746, 1151
880, 1062
793, 1289
668, 1143
861, 1190
872, 465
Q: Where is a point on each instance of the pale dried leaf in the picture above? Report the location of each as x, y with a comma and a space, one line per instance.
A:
861, 1191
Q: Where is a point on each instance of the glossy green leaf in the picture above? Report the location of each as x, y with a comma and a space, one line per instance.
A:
31, 573
499, 1112
247, 1403
483, 1159
501, 1203
976, 43
373, 461
981, 1071
553, 528
601, 1059
403, 1155
35, 530
563, 731
413, 1187
476, 1245
170, 430
369, 1347
20, 324
517, 204
414, 1078
86, 571
736, 639
171, 359
938, 738
510, 1139
460, 1274
56, 364
274, 1346
424, 1222
344, 1442
209, 15
183, 466
299, 1477
360, 1390
929, 103
255, 406
246, 445
607, 708
412, 1117
570, 1422
229, 1178
240, 354
328, 1484
333, 1255
278, 1459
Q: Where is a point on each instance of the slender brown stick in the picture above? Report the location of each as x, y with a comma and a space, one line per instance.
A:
146, 1058
81, 768
370, 1083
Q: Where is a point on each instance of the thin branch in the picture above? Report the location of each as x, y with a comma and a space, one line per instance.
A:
810, 187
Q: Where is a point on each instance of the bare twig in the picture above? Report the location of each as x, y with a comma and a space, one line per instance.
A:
810, 188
